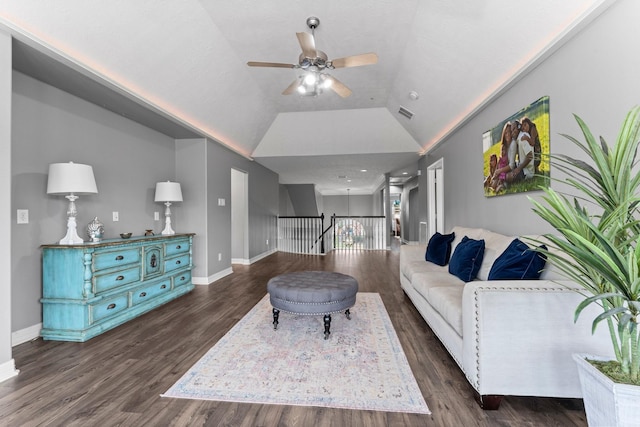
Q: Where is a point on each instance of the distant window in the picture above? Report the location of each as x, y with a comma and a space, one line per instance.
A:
350, 234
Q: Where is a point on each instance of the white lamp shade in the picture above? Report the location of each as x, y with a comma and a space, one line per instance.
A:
168, 192
65, 178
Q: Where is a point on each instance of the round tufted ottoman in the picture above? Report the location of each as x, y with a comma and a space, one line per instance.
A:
312, 292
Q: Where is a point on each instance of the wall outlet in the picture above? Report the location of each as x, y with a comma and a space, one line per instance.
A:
156, 216
267, 242
23, 216
220, 257
116, 216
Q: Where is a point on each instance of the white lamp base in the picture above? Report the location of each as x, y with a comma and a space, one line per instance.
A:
71, 238
167, 220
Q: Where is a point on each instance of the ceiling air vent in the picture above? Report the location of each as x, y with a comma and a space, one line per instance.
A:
408, 114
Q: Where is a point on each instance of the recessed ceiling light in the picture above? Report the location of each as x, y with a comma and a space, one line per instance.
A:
363, 170
405, 173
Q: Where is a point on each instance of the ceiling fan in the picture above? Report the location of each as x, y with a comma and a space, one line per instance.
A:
315, 63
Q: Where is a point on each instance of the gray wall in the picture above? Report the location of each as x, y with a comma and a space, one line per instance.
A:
263, 205
49, 125
285, 206
410, 208
191, 173
304, 199
594, 75
7, 367
358, 205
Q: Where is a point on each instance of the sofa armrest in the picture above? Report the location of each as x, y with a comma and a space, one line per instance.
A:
518, 337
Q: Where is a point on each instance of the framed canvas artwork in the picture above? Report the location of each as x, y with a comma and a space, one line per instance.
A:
516, 151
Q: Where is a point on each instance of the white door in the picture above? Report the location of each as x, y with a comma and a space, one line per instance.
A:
435, 198
239, 217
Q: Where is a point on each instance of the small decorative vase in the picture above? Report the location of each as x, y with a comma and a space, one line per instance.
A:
95, 230
148, 232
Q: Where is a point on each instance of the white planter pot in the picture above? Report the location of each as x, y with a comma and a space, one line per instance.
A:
607, 404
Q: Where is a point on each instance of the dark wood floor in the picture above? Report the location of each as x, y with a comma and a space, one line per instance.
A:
117, 378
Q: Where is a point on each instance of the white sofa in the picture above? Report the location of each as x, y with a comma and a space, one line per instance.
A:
509, 337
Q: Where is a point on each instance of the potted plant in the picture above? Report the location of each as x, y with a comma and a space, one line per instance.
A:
597, 245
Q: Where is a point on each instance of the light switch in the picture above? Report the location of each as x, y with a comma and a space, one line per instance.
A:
116, 216
23, 216
221, 202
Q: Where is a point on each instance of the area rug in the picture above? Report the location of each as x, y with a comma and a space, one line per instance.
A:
361, 365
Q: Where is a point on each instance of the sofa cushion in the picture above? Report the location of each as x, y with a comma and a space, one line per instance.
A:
410, 268
439, 248
487, 261
466, 259
423, 282
517, 262
447, 300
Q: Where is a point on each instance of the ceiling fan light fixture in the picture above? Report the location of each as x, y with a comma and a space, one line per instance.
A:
325, 81
310, 79
313, 62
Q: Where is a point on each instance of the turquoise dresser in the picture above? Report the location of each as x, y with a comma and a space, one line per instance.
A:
90, 288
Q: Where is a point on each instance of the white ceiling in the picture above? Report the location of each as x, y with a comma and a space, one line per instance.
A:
188, 59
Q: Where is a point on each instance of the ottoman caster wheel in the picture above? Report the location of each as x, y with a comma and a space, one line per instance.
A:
348, 314
327, 326
276, 313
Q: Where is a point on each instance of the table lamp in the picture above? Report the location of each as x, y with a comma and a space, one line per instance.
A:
71, 179
168, 192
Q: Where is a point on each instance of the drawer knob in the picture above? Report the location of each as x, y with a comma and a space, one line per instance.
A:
182, 278
119, 258
178, 262
120, 278
179, 247
111, 306
143, 294
163, 287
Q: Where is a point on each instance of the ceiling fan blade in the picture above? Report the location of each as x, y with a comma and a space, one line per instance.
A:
269, 64
291, 88
338, 87
355, 60
308, 45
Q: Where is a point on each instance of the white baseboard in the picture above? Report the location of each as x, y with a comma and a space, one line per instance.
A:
26, 334
8, 370
244, 261
262, 255
207, 280
228, 271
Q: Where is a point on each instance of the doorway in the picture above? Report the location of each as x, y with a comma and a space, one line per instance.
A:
239, 217
435, 198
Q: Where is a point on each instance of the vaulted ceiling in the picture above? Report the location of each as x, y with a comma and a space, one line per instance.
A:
189, 58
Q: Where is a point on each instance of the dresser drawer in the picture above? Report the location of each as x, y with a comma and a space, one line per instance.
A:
175, 248
105, 282
104, 260
175, 263
181, 279
107, 308
146, 293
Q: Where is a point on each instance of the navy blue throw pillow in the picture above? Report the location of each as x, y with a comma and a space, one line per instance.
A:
518, 262
466, 259
439, 248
